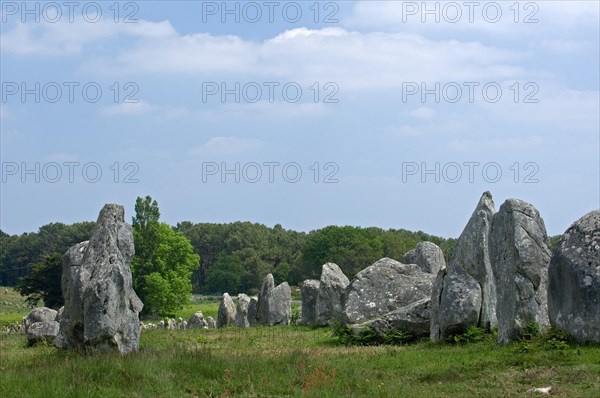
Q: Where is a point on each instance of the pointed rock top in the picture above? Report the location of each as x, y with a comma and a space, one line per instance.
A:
112, 213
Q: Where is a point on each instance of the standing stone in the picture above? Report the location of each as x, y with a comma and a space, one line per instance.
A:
252, 311
280, 305
71, 322
171, 324
197, 321
266, 290
274, 303
519, 254
241, 314
332, 286
428, 256
383, 287
574, 280
226, 313
464, 294
100, 306
310, 293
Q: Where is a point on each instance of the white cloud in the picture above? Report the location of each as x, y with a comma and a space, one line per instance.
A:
422, 112
220, 146
497, 144
555, 18
129, 108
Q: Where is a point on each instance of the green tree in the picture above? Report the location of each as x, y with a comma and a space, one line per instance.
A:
163, 264
43, 282
225, 275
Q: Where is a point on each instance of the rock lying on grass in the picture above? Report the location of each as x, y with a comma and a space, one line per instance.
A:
40, 325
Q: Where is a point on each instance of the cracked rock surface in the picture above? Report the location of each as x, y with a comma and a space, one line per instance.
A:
519, 254
574, 280
383, 287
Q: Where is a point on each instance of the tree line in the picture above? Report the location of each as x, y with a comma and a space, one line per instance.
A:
205, 258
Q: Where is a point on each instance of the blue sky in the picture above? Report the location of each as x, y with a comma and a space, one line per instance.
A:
390, 114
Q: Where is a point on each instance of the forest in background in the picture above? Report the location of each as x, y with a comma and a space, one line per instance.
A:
235, 257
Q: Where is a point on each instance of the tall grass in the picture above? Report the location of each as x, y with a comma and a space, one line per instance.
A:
297, 362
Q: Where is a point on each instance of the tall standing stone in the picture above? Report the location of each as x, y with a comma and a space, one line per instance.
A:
464, 294
310, 292
519, 253
332, 286
241, 313
226, 312
268, 285
101, 309
274, 303
574, 280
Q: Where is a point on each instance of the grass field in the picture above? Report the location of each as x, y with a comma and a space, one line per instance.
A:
296, 362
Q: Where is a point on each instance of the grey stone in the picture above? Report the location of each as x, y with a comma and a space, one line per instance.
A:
413, 319
519, 255
71, 323
226, 314
453, 307
574, 280
427, 255
310, 292
211, 323
383, 287
197, 321
332, 286
241, 315
101, 309
40, 331
456, 301
37, 315
266, 290
171, 324
59, 314
280, 305
252, 311
274, 303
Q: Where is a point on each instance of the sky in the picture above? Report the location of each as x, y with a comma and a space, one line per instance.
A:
394, 114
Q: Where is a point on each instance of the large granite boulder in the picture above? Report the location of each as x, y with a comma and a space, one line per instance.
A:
241, 313
274, 303
574, 280
332, 286
383, 287
413, 319
427, 255
226, 312
101, 309
519, 253
465, 293
310, 292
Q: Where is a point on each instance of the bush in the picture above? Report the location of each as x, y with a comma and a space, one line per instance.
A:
368, 336
473, 334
